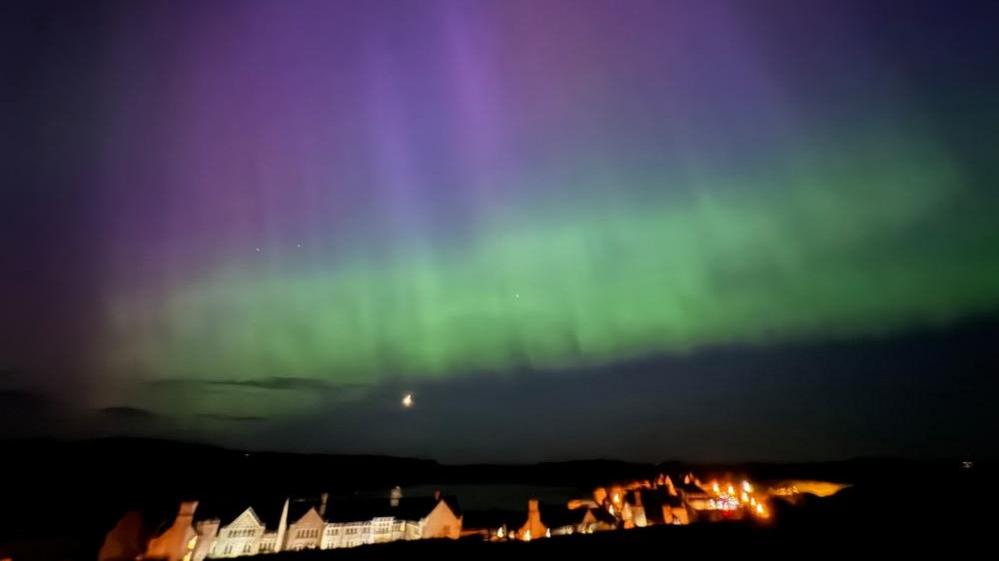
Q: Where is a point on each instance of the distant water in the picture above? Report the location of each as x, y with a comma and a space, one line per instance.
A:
486, 496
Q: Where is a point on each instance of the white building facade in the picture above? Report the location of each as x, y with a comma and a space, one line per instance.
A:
323, 526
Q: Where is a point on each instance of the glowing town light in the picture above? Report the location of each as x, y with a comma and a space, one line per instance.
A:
407, 400
747, 487
752, 501
527, 535
548, 533
745, 497
714, 488
731, 490
760, 510
727, 502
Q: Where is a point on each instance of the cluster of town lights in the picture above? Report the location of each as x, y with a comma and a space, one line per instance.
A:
726, 498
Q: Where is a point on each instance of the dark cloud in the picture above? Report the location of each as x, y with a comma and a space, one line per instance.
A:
270, 383
126, 413
231, 418
279, 383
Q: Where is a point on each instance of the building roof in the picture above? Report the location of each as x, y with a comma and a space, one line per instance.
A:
654, 501
409, 508
268, 509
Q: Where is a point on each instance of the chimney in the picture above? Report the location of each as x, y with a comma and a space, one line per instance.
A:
187, 509
600, 495
533, 528
282, 527
322, 504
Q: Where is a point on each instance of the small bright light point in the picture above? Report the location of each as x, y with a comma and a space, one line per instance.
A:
407, 400
760, 511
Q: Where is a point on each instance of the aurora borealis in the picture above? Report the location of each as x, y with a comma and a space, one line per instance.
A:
278, 212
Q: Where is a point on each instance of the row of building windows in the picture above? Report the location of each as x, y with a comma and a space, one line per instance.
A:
241, 532
307, 533
380, 528
248, 548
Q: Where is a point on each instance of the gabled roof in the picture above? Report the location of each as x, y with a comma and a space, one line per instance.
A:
267, 509
311, 515
297, 508
252, 515
409, 508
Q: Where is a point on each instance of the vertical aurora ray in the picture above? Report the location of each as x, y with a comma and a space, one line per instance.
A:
439, 188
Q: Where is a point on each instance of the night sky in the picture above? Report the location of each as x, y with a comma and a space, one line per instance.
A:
713, 230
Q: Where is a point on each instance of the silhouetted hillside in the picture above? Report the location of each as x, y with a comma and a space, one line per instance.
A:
96, 482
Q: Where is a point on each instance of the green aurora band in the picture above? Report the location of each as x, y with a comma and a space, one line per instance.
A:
834, 242
308, 205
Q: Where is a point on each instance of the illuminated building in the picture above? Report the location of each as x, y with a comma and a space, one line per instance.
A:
533, 527
177, 543
313, 525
